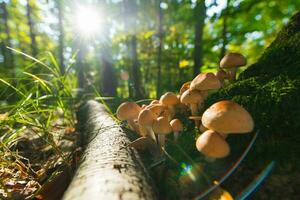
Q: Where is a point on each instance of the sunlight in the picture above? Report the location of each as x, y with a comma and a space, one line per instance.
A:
88, 21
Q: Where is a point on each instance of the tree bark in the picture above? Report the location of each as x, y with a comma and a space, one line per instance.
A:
159, 53
61, 37
199, 14
108, 170
33, 44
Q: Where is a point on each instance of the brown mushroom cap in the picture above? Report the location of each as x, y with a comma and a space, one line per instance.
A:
211, 144
145, 118
157, 109
227, 117
205, 81
185, 87
191, 97
176, 125
169, 99
162, 126
154, 102
232, 60
128, 111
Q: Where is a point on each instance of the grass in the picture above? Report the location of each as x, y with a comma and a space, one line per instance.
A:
37, 105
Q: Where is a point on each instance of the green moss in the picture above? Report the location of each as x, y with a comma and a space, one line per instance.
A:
270, 91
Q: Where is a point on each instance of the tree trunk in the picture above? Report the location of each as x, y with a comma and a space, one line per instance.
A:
159, 53
8, 55
61, 36
200, 14
33, 44
108, 76
80, 65
224, 30
130, 24
109, 169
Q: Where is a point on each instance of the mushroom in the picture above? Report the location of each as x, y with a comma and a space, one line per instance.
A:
192, 98
169, 99
196, 119
212, 144
154, 102
157, 109
177, 127
227, 117
221, 75
167, 113
129, 111
205, 81
145, 120
232, 61
185, 87
161, 127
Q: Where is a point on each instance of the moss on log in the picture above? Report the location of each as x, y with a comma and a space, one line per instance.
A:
108, 170
270, 91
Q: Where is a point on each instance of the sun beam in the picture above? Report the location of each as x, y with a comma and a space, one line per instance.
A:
88, 21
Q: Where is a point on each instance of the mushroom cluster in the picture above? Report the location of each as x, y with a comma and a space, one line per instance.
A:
155, 121
220, 119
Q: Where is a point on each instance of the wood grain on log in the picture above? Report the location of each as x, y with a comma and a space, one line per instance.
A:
108, 170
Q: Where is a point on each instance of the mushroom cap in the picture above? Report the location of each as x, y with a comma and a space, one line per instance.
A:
169, 99
205, 81
185, 87
221, 74
191, 97
157, 109
155, 101
161, 126
145, 117
227, 117
128, 111
212, 144
176, 125
232, 60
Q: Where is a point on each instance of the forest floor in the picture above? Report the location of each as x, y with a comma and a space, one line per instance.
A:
34, 167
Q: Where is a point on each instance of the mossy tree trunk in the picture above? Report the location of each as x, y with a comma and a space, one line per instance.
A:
270, 91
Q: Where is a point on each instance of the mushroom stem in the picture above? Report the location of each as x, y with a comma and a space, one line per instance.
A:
172, 112
151, 133
143, 131
210, 159
133, 126
232, 74
194, 109
176, 135
195, 112
161, 140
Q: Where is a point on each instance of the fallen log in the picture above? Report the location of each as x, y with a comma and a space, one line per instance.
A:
108, 169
